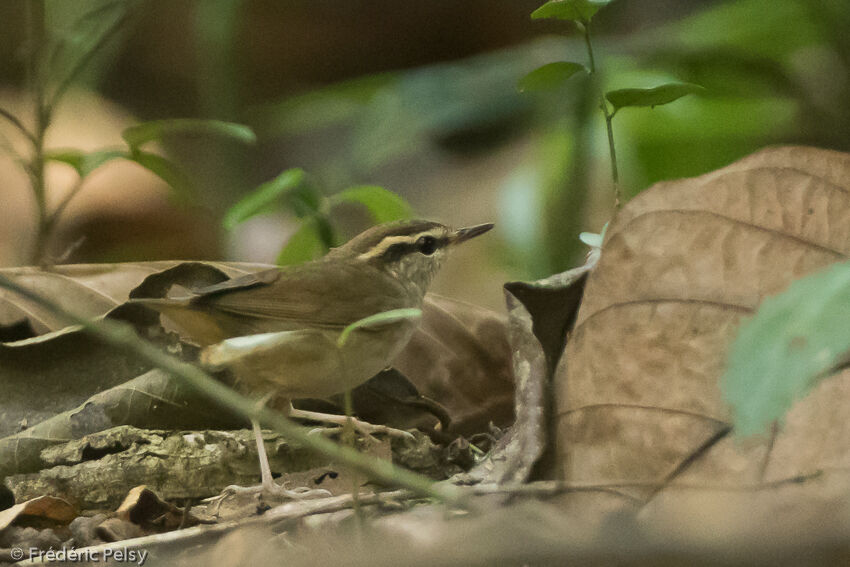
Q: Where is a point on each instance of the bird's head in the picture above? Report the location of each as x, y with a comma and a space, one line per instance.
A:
410, 251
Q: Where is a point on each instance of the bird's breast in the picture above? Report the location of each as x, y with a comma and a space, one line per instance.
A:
309, 363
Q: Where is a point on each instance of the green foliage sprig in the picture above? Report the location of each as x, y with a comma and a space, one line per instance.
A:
296, 192
390, 316
551, 75
56, 60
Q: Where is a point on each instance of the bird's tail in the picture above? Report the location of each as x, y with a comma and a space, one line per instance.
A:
193, 323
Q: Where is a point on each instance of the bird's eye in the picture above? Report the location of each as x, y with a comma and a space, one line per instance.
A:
427, 244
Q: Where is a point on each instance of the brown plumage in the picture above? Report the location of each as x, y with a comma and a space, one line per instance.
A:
385, 268
278, 330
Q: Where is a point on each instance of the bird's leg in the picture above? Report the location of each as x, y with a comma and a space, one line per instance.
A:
363, 427
268, 482
268, 487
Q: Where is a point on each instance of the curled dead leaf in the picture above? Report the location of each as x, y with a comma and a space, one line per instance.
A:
43, 508
144, 508
683, 263
541, 313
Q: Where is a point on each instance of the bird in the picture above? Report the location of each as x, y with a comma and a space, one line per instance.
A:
280, 331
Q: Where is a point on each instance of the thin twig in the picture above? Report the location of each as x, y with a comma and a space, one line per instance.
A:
555, 487
122, 336
8, 148
47, 225
774, 434
693, 457
348, 437
78, 185
17, 123
186, 537
69, 250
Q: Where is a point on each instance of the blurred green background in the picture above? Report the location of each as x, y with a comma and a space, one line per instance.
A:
420, 97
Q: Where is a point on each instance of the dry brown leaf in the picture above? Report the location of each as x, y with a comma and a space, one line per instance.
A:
117, 529
460, 357
682, 264
87, 289
541, 313
143, 507
47, 375
153, 399
48, 508
829, 165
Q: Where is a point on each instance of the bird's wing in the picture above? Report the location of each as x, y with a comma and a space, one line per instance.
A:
305, 296
247, 281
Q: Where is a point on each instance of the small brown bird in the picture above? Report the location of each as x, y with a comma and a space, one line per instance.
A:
279, 330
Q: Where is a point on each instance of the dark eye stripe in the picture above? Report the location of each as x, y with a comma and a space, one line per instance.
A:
399, 250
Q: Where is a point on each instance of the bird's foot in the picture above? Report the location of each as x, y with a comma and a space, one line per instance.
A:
267, 493
276, 491
363, 427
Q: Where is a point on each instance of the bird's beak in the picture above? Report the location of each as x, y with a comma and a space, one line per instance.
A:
464, 234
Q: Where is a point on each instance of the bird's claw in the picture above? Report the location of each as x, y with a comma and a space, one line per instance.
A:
268, 492
369, 429
366, 429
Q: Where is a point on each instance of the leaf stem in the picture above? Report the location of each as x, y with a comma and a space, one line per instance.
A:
585, 30
54, 216
17, 123
43, 108
35, 42
612, 151
607, 113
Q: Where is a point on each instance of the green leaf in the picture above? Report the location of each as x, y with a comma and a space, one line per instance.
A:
383, 205
140, 134
655, 96
265, 197
72, 53
573, 10
166, 170
549, 76
334, 105
793, 339
84, 163
304, 200
304, 245
390, 316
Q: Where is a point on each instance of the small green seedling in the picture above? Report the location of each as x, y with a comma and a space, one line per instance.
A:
552, 75
56, 59
297, 193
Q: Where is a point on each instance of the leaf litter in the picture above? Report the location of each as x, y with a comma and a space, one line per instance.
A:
628, 421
